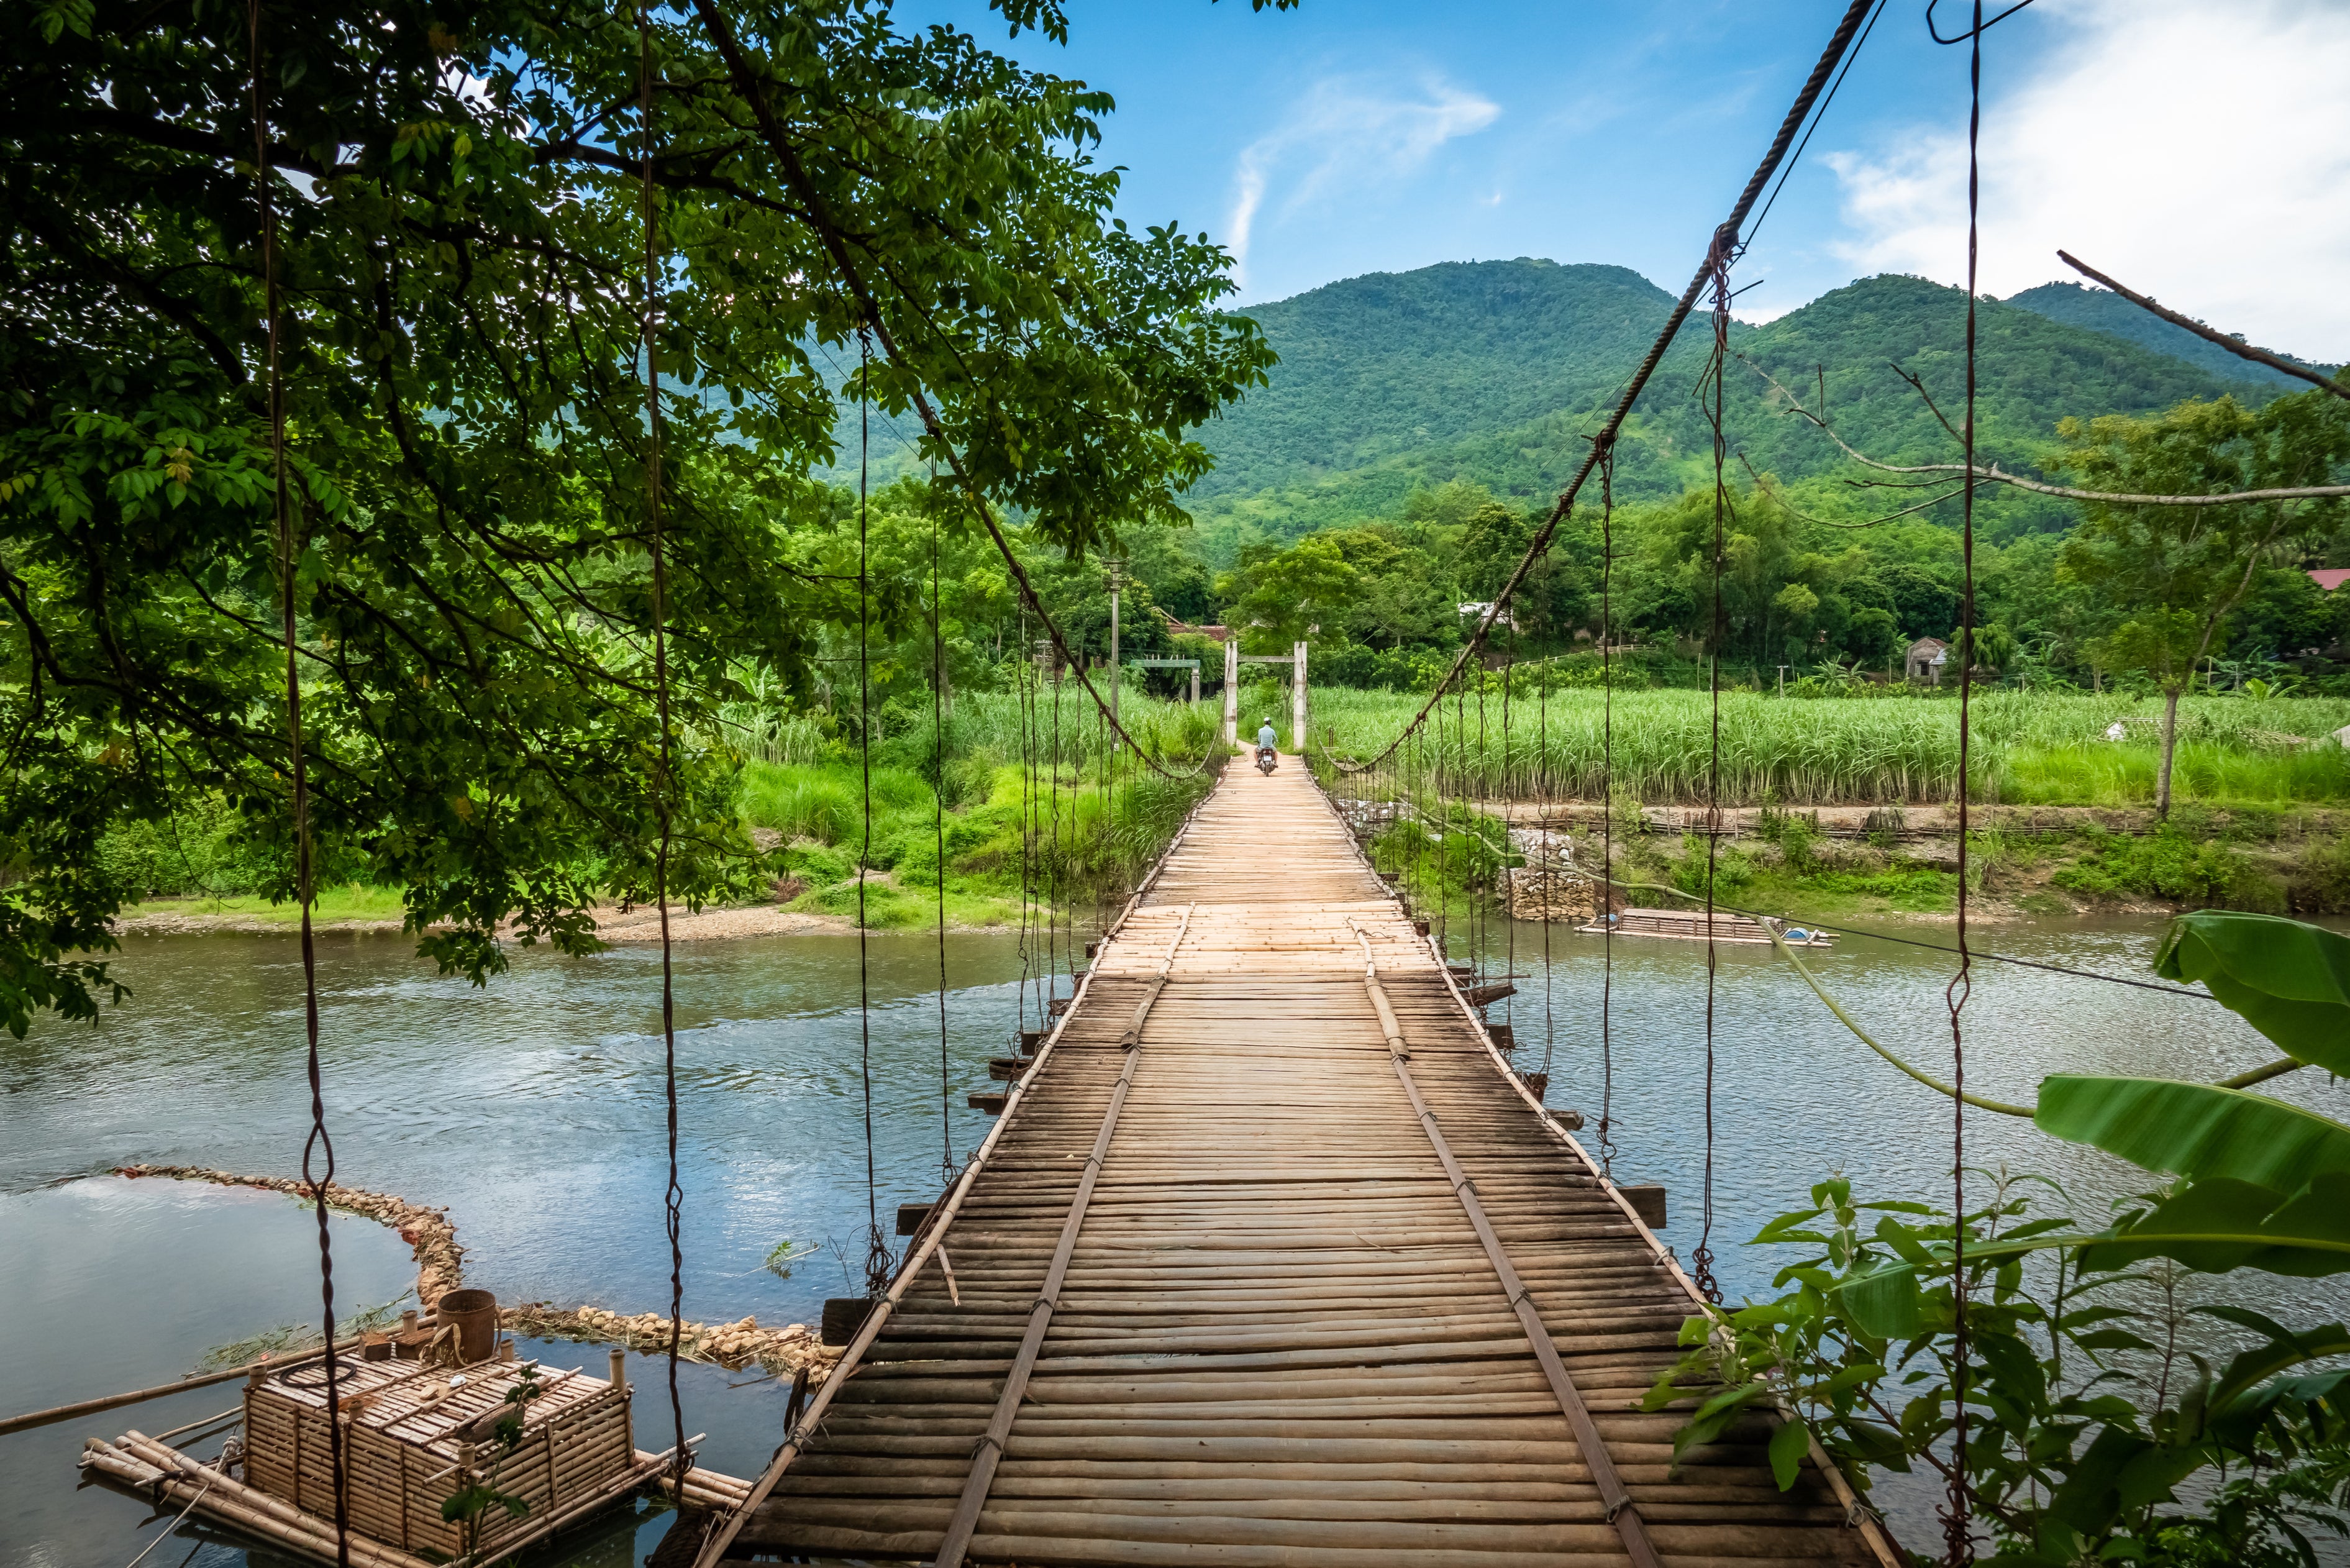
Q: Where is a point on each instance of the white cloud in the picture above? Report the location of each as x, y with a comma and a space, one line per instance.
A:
1342, 135
2199, 152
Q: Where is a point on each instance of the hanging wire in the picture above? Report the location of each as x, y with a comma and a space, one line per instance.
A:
1701, 1257
1509, 789
1957, 1514
946, 1167
1027, 711
1542, 789
318, 1144
878, 1263
1479, 906
1606, 900
1975, 33
673, 1194
1443, 833
1056, 869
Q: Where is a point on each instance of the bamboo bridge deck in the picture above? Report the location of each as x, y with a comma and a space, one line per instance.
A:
1270, 1263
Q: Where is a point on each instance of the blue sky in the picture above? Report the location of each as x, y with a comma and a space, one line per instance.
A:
2198, 149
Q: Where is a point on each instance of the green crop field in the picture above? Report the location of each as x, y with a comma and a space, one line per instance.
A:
2028, 747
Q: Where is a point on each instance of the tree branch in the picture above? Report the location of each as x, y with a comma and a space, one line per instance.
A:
2240, 348
1994, 474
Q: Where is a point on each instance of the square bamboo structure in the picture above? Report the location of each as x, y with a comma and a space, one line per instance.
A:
403, 1458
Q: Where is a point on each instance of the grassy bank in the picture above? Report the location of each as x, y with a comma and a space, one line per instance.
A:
344, 904
1008, 789
1450, 855
2027, 747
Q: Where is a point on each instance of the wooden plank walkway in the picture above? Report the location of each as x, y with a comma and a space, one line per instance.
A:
1272, 1264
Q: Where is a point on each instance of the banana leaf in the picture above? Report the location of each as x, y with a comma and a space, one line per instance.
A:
2289, 979
2195, 1131
2220, 1223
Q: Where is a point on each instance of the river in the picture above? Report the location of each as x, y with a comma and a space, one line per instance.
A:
533, 1110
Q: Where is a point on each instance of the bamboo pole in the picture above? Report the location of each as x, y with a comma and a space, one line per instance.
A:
51, 1417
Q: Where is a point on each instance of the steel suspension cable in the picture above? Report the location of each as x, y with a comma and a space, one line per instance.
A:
878, 1260
1606, 890
1701, 1257
1958, 1510
1725, 240
1509, 790
938, 828
673, 1193
1027, 715
1551, 868
318, 1144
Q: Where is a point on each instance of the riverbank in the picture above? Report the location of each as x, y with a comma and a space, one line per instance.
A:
375, 911
1889, 862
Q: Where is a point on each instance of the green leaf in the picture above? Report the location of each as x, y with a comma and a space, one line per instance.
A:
2220, 1224
2194, 1129
1905, 1242
2090, 1497
2287, 979
1788, 1444
1885, 1305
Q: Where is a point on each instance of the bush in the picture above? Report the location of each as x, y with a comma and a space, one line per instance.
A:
2320, 884
2173, 866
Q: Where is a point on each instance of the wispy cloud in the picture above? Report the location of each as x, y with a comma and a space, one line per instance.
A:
2199, 152
1343, 134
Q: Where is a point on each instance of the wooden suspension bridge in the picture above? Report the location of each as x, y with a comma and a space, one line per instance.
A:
1272, 1263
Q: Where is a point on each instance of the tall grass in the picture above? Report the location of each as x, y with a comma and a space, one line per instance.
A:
1028, 803
2027, 747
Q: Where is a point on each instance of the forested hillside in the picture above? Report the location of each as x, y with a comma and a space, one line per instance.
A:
2101, 311
1493, 372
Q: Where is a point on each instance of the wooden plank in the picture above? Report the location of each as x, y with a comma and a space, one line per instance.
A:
1224, 1299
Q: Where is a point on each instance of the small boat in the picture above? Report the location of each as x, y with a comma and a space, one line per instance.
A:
1689, 925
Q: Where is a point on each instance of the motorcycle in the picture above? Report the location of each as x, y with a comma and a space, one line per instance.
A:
1267, 758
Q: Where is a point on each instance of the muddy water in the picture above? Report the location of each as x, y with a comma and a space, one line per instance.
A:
533, 1110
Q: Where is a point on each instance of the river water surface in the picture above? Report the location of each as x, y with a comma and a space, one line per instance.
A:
533, 1111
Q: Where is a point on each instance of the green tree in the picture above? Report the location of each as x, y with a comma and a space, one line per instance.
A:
2171, 576
461, 248
1303, 592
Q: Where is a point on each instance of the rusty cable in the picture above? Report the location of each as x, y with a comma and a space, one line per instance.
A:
673, 1194
319, 1142
1957, 1520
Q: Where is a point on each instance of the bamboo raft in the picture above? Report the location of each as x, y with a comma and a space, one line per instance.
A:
407, 1445
1689, 925
1272, 1263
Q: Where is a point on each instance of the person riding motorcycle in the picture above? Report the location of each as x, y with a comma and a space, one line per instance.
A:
1266, 755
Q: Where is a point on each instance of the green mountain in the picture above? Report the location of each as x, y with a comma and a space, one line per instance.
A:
1495, 372
2101, 310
